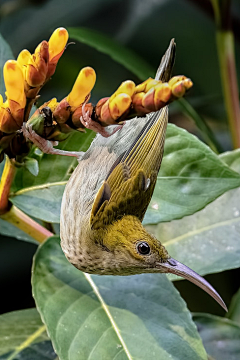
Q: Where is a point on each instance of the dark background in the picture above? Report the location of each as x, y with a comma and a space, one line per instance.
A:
146, 27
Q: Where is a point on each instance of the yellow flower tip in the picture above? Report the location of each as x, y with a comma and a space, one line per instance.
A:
178, 89
14, 82
127, 87
119, 105
57, 42
1, 100
162, 93
150, 84
23, 57
83, 86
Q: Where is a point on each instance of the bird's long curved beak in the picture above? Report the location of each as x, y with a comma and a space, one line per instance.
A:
175, 267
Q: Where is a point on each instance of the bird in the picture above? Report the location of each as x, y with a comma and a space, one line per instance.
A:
107, 195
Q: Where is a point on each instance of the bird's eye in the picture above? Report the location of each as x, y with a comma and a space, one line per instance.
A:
143, 248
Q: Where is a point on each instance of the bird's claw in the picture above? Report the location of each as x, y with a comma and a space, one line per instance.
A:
46, 146
88, 123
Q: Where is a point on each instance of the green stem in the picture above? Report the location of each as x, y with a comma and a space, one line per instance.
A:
226, 55
225, 46
11, 213
23, 222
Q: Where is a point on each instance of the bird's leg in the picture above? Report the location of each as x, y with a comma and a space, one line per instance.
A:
46, 146
95, 126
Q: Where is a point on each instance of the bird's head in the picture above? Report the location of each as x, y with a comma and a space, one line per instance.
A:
132, 250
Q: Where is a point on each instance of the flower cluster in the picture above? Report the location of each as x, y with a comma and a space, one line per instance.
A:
23, 80
55, 120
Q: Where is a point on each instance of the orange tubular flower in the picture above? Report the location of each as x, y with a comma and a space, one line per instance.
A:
57, 44
108, 110
12, 111
37, 66
72, 104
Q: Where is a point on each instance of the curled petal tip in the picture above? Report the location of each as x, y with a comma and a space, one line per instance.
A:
175, 267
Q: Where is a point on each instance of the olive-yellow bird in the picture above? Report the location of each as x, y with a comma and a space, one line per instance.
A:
108, 194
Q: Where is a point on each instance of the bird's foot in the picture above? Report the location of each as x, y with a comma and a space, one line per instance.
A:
47, 146
95, 126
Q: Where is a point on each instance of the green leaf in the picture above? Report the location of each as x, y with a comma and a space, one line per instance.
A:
106, 317
42, 202
5, 54
54, 168
232, 159
32, 166
207, 241
23, 336
8, 229
234, 309
191, 176
220, 336
115, 50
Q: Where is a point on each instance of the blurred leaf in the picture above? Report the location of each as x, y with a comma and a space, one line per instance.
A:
234, 309
32, 166
115, 50
23, 336
106, 317
207, 241
220, 336
5, 54
206, 131
8, 229
232, 159
191, 176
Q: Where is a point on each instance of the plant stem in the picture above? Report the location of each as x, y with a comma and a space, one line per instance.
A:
23, 222
226, 55
225, 45
5, 184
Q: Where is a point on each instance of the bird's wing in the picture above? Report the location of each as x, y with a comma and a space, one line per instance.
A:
128, 188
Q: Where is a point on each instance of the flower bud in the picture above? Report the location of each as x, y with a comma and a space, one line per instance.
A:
119, 105
37, 66
83, 86
14, 82
127, 87
57, 44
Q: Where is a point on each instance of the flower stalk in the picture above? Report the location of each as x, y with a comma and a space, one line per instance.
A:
226, 55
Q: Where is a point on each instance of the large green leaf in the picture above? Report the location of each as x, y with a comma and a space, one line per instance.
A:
220, 336
106, 317
207, 241
5, 54
23, 336
234, 309
191, 176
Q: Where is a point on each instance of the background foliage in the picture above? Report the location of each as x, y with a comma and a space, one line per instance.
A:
148, 311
